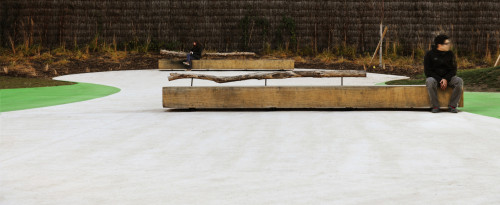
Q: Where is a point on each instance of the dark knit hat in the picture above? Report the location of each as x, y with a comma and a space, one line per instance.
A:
440, 39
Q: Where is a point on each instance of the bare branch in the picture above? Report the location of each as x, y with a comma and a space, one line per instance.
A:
273, 75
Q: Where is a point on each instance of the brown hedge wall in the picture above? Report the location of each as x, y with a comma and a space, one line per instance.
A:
228, 25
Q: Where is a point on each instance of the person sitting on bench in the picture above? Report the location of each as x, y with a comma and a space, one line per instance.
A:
440, 66
195, 53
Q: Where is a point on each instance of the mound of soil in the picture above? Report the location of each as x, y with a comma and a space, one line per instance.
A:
39, 68
98, 62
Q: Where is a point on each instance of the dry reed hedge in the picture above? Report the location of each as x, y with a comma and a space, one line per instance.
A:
319, 24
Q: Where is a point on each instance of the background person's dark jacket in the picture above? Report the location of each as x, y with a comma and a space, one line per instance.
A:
440, 64
197, 51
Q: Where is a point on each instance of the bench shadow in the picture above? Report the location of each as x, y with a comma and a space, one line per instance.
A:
296, 109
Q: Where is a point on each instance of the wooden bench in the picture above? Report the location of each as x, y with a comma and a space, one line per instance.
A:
301, 97
228, 64
167, 64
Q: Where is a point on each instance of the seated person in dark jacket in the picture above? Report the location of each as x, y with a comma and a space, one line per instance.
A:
440, 67
195, 53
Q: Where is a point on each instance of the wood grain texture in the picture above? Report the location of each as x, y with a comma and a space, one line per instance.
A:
241, 64
273, 75
166, 64
302, 97
228, 54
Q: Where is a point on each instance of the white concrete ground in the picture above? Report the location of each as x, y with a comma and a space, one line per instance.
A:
127, 149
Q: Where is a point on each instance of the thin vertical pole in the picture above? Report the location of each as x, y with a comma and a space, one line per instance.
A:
191, 82
496, 63
381, 33
381, 43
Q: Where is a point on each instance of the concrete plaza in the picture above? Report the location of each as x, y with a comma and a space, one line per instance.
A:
127, 149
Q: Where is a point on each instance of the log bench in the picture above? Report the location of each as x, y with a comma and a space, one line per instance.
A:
228, 64
414, 96
167, 64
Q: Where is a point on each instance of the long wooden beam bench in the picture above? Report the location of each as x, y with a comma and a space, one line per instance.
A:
228, 64
301, 97
168, 64
241, 64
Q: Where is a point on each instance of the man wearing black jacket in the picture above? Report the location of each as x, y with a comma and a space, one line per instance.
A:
440, 67
195, 53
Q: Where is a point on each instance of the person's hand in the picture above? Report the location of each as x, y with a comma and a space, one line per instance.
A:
443, 83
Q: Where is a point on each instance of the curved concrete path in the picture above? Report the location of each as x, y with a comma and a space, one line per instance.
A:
126, 149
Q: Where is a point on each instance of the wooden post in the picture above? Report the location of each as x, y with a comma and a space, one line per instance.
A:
315, 39
379, 44
12, 44
496, 63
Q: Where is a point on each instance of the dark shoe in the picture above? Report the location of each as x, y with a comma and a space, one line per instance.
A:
452, 109
435, 110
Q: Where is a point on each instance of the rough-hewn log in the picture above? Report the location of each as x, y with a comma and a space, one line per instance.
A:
183, 54
230, 54
173, 53
273, 75
240, 64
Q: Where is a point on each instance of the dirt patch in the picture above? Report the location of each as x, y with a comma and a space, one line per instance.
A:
56, 65
64, 65
7, 82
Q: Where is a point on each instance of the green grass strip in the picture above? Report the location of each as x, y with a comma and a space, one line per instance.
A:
487, 104
481, 103
27, 98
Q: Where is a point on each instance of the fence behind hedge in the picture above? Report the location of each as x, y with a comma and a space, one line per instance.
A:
227, 25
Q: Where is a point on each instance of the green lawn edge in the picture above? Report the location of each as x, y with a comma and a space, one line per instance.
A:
482, 103
28, 98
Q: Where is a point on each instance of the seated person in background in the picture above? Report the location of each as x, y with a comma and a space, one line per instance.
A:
195, 53
440, 66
